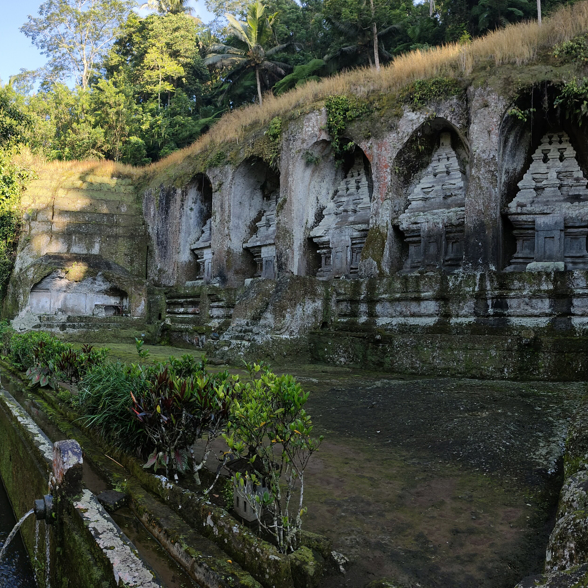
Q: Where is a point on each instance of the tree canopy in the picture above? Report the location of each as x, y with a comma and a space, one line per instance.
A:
148, 85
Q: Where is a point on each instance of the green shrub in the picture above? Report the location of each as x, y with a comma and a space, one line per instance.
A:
573, 99
175, 411
341, 110
575, 50
270, 430
35, 348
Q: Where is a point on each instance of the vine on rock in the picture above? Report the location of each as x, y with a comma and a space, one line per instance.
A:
341, 110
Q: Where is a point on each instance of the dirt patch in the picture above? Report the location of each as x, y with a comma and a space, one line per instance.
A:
436, 483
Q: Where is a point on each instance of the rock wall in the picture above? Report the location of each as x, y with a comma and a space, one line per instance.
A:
82, 255
459, 222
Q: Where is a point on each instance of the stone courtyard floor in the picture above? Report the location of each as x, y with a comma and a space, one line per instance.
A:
431, 482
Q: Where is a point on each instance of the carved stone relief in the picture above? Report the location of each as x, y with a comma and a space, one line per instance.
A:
94, 296
203, 251
262, 244
550, 212
342, 232
433, 223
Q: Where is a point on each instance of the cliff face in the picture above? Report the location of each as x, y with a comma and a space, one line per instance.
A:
82, 252
448, 235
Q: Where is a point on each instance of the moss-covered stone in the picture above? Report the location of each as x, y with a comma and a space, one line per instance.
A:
307, 567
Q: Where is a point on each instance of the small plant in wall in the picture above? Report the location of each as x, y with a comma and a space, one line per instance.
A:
139, 344
270, 430
310, 158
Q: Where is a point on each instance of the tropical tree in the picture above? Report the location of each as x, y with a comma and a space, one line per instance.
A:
253, 34
76, 34
359, 26
169, 6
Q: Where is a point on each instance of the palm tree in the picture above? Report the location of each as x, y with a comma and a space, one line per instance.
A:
168, 6
255, 33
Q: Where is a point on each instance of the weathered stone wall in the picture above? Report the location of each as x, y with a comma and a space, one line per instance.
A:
392, 255
82, 251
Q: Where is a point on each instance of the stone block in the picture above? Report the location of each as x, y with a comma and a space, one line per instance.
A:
307, 567
67, 467
112, 500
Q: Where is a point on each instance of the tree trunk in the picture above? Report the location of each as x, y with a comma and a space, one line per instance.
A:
432, 7
258, 85
375, 33
539, 12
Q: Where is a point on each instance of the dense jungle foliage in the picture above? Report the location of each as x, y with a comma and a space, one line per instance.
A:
146, 86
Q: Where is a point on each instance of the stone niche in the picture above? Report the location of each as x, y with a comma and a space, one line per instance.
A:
201, 231
262, 244
342, 232
256, 195
93, 296
549, 214
433, 223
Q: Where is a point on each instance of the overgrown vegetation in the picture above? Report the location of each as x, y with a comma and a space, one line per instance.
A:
158, 411
421, 92
14, 124
341, 110
573, 98
149, 86
47, 360
575, 50
517, 44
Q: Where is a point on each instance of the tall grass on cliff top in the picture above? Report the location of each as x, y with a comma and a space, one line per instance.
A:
517, 44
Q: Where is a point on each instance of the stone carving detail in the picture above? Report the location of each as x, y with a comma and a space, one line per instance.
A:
262, 244
433, 223
342, 232
203, 251
93, 296
550, 212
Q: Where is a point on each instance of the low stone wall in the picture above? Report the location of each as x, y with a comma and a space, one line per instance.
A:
86, 547
566, 560
483, 325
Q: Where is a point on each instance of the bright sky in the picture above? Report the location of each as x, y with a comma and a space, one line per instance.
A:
17, 52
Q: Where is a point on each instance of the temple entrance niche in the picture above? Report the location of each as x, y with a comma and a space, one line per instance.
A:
544, 186
256, 190
199, 215
342, 231
434, 220
93, 296
550, 211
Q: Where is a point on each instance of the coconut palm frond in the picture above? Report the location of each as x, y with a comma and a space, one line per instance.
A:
273, 68
277, 48
224, 61
238, 29
220, 48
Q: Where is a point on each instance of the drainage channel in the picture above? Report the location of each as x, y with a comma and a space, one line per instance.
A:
169, 572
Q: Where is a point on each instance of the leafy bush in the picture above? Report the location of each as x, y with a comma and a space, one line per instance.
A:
35, 348
573, 98
48, 360
341, 110
271, 431
175, 411
575, 50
